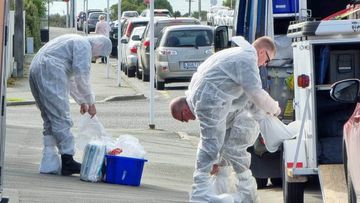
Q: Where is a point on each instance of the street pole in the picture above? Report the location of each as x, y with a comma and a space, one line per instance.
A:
152, 69
189, 8
107, 57
118, 46
4, 10
67, 14
199, 9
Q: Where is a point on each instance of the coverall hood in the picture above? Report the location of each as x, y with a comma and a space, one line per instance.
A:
100, 45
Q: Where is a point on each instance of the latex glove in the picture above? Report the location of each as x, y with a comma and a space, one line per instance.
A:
277, 112
84, 108
92, 110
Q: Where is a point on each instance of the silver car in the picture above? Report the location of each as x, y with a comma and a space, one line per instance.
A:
180, 50
130, 54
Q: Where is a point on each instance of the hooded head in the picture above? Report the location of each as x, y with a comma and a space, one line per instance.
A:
100, 45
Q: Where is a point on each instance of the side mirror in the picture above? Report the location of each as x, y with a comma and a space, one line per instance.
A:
136, 38
221, 38
345, 91
124, 41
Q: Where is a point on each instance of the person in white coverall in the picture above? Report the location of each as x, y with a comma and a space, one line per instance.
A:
219, 95
62, 67
103, 28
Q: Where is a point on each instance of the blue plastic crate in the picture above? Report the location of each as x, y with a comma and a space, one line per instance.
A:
124, 170
285, 6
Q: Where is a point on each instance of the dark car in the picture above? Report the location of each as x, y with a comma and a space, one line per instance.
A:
93, 19
347, 91
81, 18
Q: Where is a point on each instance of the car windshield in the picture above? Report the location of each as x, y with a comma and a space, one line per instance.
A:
95, 16
189, 38
131, 14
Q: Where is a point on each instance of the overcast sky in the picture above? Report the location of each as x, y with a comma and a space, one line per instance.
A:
60, 7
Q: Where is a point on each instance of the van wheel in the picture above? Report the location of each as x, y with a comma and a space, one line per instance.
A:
261, 182
160, 85
292, 192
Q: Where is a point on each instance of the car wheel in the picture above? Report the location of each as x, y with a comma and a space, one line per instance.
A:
261, 182
131, 72
145, 77
160, 85
276, 181
138, 73
350, 187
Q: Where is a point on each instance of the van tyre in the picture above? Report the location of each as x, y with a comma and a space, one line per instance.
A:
261, 182
292, 192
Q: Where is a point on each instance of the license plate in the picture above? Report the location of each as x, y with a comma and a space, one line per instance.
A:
192, 65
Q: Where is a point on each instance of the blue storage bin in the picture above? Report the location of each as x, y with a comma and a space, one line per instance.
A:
285, 6
123, 170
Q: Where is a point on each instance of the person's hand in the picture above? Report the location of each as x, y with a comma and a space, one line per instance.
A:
92, 110
277, 112
215, 169
84, 108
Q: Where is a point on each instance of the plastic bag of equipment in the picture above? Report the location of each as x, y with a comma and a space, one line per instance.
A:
224, 181
93, 159
275, 132
90, 129
129, 146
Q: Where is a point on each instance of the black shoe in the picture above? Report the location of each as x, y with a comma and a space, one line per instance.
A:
69, 165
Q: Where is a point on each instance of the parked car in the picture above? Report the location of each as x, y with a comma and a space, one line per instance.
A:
130, 54
157, 12
347, 91
181, 49
159, 24
127, 27
81, 18
129, 14
211, 13
93, 19
113, 35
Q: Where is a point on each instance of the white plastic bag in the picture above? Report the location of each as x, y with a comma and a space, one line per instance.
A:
275, 132
89, 129
130, 146
224, 181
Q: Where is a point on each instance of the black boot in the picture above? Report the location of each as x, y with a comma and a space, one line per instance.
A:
69, 165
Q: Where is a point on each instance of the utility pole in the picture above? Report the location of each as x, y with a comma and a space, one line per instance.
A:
19, 38
189, 8
200, 10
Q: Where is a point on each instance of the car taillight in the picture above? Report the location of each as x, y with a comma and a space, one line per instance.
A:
167, 52
146, 43
291, 164
129, 29
133, 50
303, 80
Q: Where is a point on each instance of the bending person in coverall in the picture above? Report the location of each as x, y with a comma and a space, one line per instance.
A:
62, 67
219, 95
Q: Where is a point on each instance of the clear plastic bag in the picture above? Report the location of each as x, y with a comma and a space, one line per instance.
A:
93, 160
130, 146
275, 132
224, 181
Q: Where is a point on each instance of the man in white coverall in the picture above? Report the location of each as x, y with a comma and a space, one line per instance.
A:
219, 95
62, 67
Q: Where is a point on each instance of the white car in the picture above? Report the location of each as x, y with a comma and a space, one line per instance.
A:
130, 55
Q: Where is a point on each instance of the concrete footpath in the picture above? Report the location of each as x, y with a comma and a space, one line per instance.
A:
167, 176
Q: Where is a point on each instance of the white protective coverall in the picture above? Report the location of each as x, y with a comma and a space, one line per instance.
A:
62, 67
219, 95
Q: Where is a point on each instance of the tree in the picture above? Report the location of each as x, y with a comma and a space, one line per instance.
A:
34, 9
195, 14
229, 3
177, 14
163, 4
